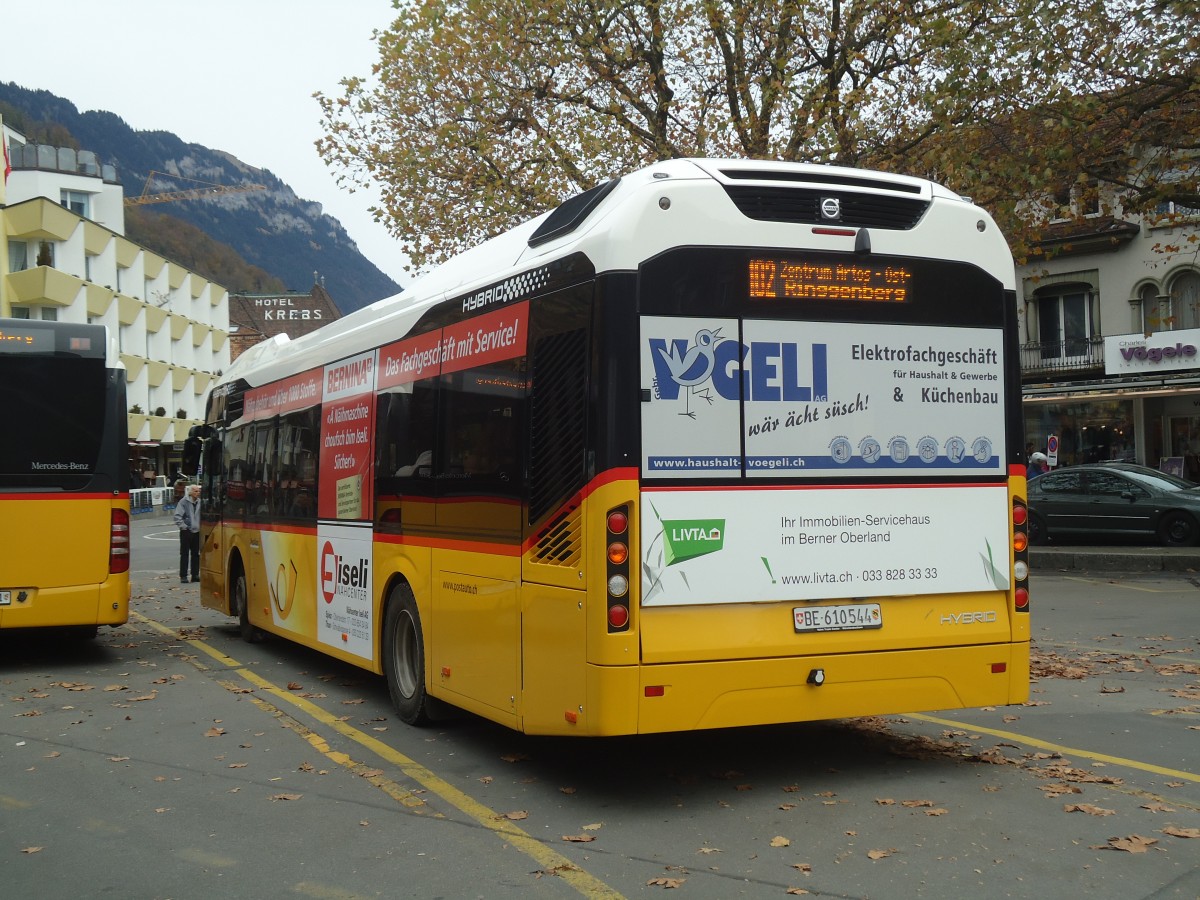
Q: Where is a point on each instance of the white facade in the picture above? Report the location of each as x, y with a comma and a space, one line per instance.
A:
66, 258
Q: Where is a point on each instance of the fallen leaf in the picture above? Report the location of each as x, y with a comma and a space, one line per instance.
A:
487, 779
1089, 809
163, 809
579, 838
880, 854
516, 815
806, 868
666, 882
1134, 843
1176, 831
885, 801
236, 765
286, 797
294, 685
53, 754
796, 891
32, 849
514, 757
354, 702
916, 803
214, 732
939, 811
594, 826
707, 850
567, 790
371, 773
118, 759
1158, 807
1105, 689
780, 841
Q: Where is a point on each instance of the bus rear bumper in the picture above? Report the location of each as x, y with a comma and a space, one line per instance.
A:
687, 696
106, 603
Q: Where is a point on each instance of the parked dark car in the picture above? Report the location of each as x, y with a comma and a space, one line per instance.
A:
1113, 500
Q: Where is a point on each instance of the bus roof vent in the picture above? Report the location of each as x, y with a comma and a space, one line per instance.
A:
571, 213
803, 206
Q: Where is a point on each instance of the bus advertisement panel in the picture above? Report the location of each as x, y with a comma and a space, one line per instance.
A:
820, 399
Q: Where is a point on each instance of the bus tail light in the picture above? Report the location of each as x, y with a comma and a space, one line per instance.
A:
1020, 542
118, 543
617, 541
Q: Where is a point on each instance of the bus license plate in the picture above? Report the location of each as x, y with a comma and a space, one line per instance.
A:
5, 598
848, 617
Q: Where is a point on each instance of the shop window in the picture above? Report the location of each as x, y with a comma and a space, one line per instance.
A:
1185, 301
1064, 323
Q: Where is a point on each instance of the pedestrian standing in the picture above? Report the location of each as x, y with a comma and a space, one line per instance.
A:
187, 520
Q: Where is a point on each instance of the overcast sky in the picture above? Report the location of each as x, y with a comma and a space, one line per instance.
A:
233, 75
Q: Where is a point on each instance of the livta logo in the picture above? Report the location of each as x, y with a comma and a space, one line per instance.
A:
688, 538
337, 574
759, 371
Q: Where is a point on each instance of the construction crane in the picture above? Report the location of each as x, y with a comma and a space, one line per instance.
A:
209, 189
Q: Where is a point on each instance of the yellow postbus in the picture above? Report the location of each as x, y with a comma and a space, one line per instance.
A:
716, 443
64, 478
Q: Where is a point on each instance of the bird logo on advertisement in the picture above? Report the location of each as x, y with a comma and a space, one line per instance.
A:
693, 366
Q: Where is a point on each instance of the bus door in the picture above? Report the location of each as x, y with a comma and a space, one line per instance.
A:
476, 628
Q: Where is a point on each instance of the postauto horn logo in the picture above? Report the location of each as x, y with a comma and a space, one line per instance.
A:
688, 538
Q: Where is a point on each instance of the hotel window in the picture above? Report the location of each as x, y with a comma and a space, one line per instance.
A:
18, 256
77, 202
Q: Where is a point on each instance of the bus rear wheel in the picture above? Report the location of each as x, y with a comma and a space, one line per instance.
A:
241, 605
404, 657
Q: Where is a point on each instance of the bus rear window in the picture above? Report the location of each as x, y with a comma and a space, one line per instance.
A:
53, 411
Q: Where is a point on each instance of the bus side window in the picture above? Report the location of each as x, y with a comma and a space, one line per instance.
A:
482, 412
236, 467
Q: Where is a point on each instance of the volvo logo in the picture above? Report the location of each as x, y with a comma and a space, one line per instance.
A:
831, 208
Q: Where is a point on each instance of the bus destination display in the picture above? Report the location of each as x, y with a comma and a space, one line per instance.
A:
32, 340
805, 279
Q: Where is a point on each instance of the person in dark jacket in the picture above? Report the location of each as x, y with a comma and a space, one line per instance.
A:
1037, 465
187, 520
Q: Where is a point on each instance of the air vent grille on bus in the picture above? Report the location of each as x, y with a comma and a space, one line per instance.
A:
802, 206
558, 420
559, 543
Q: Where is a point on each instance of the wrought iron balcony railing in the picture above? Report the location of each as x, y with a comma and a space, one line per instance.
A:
1070, 355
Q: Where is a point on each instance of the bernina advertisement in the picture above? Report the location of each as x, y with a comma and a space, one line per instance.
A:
819, 399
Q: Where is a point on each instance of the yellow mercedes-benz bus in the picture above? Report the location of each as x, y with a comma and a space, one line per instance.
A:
716, 443
64, 478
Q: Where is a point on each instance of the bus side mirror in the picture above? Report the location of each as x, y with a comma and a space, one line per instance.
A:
192, 448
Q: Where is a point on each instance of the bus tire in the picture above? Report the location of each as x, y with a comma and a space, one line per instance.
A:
251, 634
404, 657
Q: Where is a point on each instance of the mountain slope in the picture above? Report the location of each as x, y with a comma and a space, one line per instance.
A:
285, 235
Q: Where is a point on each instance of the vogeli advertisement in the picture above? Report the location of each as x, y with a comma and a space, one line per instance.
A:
819, 399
